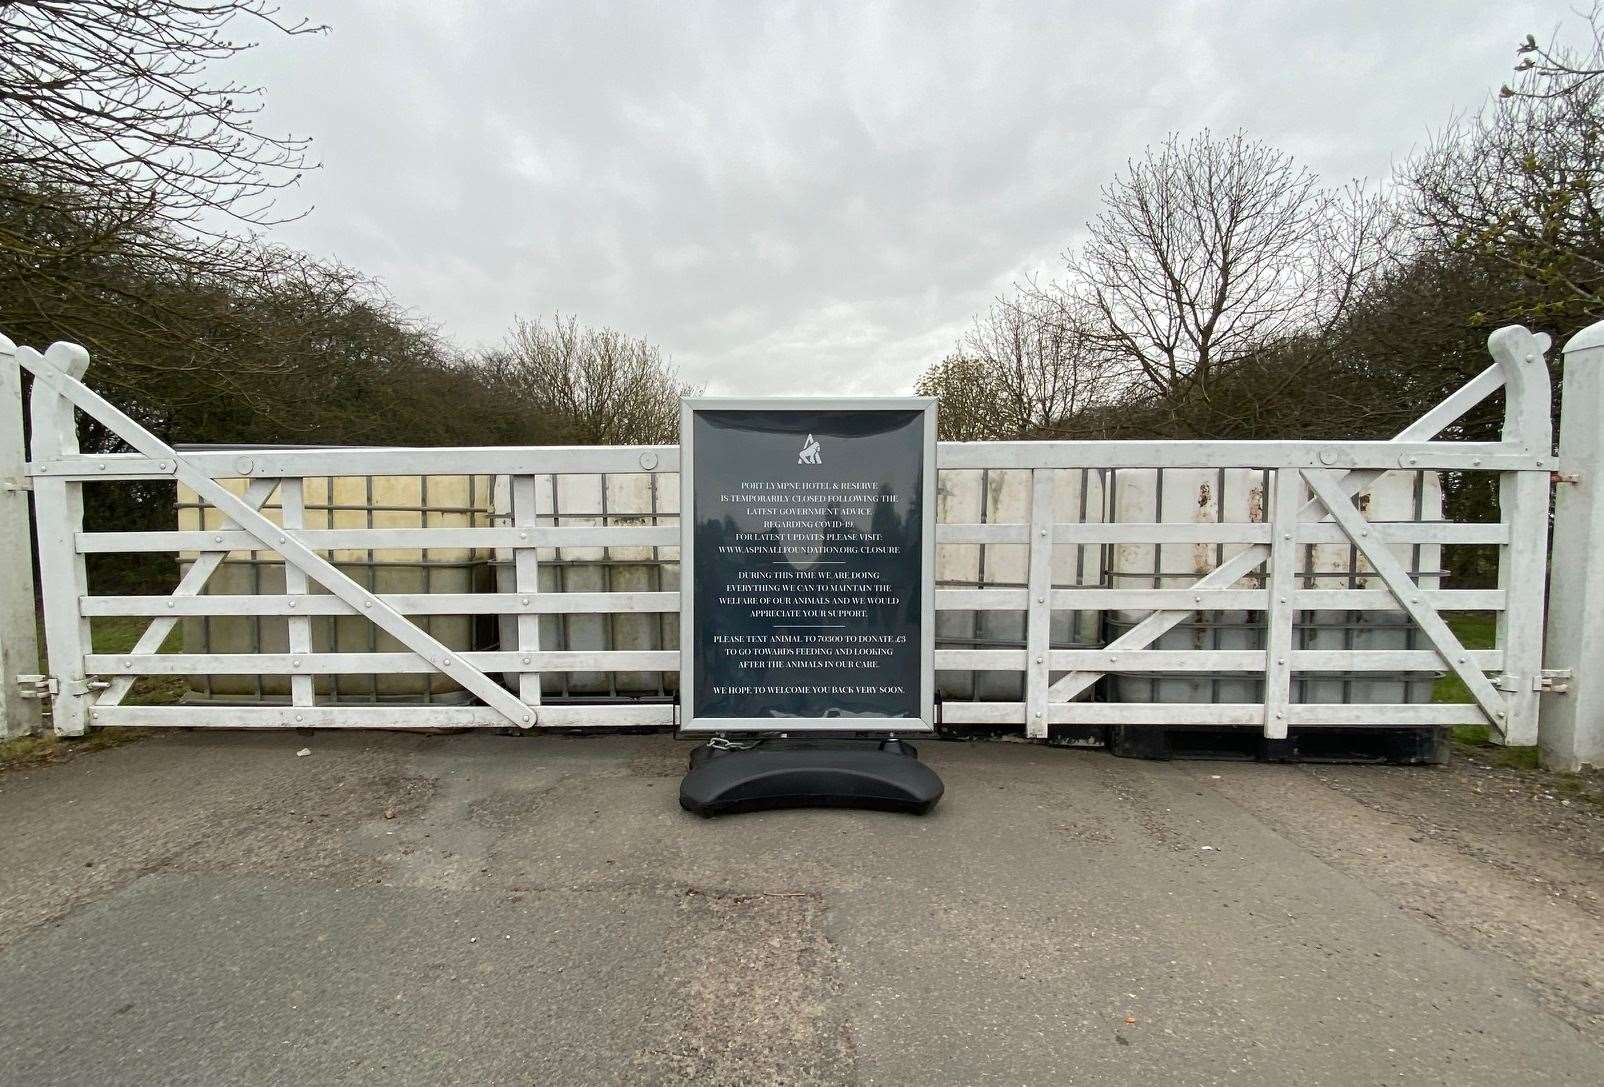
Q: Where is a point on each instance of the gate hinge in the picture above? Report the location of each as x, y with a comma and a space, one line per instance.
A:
1565, 477
38, 686
1552, 680
8, 486
51, 687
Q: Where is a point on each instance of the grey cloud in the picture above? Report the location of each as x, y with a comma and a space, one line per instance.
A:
812, 197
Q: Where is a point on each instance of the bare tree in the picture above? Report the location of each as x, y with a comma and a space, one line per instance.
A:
1208, 250
1023, 370
1042, 359
595, 386
1519, 189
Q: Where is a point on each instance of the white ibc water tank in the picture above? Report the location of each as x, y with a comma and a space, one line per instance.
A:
1002, 496
345, 502
963, 497
1185, 496
1237, 495
572, 501
1397, 496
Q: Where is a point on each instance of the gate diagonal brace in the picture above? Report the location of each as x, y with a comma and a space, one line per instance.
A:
191, 584
1150, 629
1407, 593
287, 544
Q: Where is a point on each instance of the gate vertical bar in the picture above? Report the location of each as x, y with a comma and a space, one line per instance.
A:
58, 518
526, 572
1523, 507
19, 637
1039, 613
1572, 734
292, 506
1280, 614
1522, 567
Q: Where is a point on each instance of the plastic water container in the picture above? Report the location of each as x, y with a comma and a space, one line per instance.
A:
345, 502
1237, 495
1002, 496
574, 500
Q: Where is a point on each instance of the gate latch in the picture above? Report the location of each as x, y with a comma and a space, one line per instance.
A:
38, 686
1552, 680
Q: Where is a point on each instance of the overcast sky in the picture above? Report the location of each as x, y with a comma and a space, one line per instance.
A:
812, 197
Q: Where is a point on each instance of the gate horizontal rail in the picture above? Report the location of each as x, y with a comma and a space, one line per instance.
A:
667, 660
1254, 568
561, 460
373, 539
659, 715
624, 602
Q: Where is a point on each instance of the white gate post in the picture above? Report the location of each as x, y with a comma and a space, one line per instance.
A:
58, 509
19, 638
1572, 733
1523, 499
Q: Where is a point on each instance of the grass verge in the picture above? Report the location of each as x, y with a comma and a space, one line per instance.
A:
26, 751
1475, 630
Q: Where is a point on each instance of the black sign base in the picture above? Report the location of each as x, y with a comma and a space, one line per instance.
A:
883, 775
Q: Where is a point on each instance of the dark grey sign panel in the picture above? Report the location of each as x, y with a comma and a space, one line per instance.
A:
806, 595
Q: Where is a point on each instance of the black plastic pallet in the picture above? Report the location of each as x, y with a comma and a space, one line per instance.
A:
1415, 746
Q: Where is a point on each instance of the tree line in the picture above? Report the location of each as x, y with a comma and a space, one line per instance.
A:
1226, 291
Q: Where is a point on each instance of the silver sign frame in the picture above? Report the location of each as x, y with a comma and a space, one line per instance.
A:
925, 722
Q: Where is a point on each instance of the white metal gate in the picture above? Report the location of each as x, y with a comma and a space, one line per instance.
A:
1310, 501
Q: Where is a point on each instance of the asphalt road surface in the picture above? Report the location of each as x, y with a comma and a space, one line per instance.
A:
397, 909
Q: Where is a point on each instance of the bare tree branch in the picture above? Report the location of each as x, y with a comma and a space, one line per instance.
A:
1553, 71
108, 103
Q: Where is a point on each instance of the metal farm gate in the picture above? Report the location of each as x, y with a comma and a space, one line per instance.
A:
1308, 499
